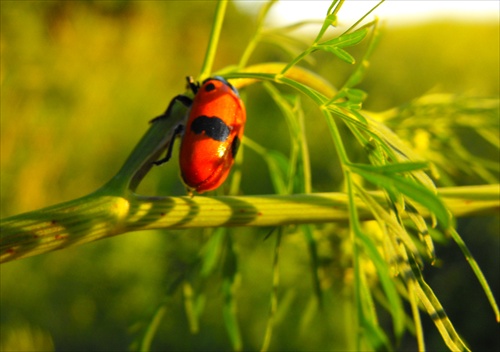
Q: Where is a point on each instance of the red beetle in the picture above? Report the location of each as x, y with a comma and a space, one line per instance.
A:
212, 133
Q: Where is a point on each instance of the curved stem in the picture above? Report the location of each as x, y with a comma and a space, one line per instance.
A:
99, 216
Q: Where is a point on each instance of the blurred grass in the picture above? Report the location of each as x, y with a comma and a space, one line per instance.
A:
79, 83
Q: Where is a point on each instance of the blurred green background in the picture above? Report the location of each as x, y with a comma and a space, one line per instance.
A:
79, 83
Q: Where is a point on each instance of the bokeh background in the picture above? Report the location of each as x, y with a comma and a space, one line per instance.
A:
79, 82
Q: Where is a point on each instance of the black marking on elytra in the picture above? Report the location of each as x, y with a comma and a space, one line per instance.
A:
209, 87
235, 146
213, 126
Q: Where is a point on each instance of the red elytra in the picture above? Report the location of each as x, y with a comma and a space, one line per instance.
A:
212, 135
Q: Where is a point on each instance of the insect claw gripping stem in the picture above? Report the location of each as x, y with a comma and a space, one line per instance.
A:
186, 101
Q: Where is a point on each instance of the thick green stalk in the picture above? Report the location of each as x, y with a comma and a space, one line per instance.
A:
99, 216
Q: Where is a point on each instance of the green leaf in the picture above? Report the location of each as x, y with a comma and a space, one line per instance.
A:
345, 40
230, 264
305, 89
190, 307
273, 306
340, 53
399, 148
376, 336
395, 168
313, 252
358, 75
420, 194
278, 169
356, 96
299, 166
330, 19
335, 45
394, 299
212, 252
276, 162
477, 271
151, 330
229, 271
230, 319
437, 313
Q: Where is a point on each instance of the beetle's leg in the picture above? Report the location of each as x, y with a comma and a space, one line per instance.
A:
186, 101
178, 130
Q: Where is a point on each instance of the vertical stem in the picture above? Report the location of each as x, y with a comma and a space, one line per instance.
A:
306, 163
337, 139
152, 329
220, 12
257, 36
274, 294
353, 216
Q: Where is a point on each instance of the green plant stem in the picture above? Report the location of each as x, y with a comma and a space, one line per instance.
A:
258, 33
152, 328
270, 72
100, 216
220, 11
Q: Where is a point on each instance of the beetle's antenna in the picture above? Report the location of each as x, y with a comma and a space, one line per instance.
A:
194, 86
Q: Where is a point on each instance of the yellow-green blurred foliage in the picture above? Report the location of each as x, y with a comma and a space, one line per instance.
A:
79, 83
